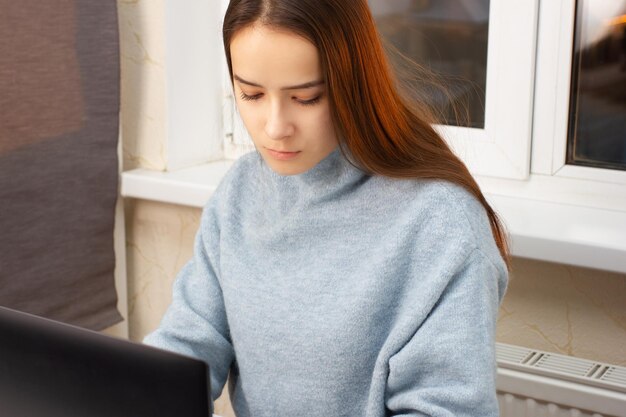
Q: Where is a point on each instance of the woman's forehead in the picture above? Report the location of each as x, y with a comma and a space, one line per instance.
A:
274, 58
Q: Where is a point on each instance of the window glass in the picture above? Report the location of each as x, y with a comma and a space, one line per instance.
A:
448, 37
597, 126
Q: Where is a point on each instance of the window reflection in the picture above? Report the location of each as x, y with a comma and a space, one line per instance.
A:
597, 130
448, 37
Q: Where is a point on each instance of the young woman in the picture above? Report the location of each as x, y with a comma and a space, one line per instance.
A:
351, 266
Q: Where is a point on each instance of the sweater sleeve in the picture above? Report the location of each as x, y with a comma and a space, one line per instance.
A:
195, 323
448, 367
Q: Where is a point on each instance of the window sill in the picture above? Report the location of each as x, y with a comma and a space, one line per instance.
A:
187, 187
552, 231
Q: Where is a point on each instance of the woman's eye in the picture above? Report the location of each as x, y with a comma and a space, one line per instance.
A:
247, 97
309, 102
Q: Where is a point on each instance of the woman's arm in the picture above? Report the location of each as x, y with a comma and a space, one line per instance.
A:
448, 366
195, 323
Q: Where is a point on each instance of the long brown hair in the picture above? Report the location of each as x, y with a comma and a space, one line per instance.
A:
384, 132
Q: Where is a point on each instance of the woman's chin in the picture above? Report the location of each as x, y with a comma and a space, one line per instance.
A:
292, 166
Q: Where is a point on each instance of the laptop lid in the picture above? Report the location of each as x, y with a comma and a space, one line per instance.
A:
50, 369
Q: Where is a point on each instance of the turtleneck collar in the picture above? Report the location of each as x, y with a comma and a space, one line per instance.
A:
334, 169
332, 176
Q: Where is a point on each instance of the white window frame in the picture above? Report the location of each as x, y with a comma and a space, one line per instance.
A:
561, 213
502, 148
552, 102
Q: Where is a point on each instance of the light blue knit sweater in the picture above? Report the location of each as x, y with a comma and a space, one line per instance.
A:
334, 293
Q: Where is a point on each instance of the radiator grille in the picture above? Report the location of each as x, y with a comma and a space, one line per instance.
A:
533, 383
569, 368
614, 375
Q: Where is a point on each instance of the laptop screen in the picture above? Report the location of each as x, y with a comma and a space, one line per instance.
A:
50, 369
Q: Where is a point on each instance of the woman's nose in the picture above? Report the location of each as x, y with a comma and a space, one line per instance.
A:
278, 126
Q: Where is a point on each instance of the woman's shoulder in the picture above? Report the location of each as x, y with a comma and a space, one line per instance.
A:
440, 196
447, 210
472, 218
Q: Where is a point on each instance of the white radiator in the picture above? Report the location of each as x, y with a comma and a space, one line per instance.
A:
532, 383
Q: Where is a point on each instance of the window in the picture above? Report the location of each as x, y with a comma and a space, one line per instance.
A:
568, 138
449, 38
497, 142
597, 119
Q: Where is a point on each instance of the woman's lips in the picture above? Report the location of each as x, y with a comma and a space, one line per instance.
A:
283, 156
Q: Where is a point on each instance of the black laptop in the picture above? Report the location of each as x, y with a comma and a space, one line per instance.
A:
50, 369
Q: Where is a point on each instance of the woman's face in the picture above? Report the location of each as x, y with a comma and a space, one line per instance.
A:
282, 98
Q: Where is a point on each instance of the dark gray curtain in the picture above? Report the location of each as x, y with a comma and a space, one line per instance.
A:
59, 106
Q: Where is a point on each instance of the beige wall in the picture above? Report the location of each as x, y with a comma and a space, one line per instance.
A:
557, 308
142, 49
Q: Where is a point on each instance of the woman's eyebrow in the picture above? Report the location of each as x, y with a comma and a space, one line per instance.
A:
309, 84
